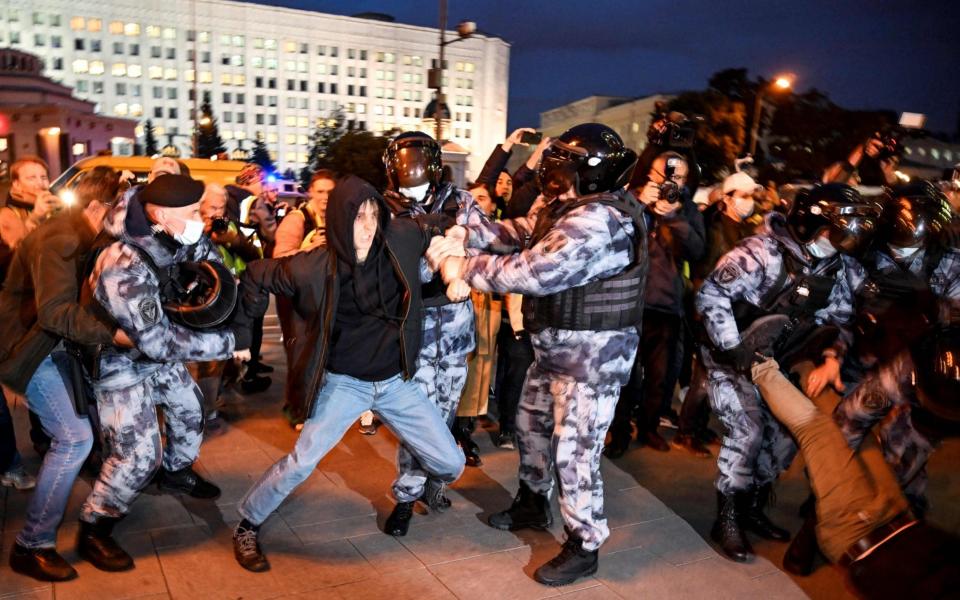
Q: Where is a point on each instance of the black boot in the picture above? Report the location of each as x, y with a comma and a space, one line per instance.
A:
187, 481
753, 519
399, 520
571, 564
803, 550
433, 495
462, 430
43, 564
96, 545
246, 547
529, 510
726, 529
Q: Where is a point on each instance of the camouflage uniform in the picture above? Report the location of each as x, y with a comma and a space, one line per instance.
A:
448, 337
133, 382
573, 386
756, 447
885, 394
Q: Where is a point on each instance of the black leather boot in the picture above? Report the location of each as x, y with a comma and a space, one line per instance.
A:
246, 547
187, 481
96, 545
571, 564
529, 510
802, 551
726, 529
753, 519
398, 522
43, 564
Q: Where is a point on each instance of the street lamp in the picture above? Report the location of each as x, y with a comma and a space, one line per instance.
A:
435, 77
781, 84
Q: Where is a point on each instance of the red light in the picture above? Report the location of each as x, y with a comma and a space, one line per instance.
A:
4, 125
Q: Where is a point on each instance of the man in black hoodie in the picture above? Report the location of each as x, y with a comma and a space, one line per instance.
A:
359, 313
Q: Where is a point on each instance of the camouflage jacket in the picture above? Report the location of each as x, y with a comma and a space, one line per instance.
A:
129, 291
944, 280
752, 268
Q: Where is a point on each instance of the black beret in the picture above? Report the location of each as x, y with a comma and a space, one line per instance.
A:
172, 191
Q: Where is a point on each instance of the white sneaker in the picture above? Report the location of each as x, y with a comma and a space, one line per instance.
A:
18, 478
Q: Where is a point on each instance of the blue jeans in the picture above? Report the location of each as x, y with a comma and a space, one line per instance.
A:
47, 396
400, 404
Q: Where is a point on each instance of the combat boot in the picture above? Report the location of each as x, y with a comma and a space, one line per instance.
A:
398, 522
43, 564
96, 545
571, 564
726, 529
187, 481
529, 510
434, 495
753, 519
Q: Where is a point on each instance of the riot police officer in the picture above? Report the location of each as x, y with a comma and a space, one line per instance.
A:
580, 261
795, 266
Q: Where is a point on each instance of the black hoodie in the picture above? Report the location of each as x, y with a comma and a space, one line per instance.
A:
366, 333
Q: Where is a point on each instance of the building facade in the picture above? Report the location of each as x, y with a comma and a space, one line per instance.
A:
629, 117
267, 71
41, 117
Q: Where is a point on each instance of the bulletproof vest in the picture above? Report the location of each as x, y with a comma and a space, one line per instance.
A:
435, 291
603, 305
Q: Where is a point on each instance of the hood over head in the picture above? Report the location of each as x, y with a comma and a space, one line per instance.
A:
342, 208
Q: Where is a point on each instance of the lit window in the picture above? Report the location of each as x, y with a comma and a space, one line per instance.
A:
459, 66
257, 62
361, 109
155, 72
468, 67
258, 43
272, 63
303, 122
290, 138
131, 29
290, 65
96, 67
302, 139
290, 47
169, 33
226, 79
322, 69
290, 121
153, 31
224, 40
379, 57
134, 70
80, 66
94, 25
160, 130
270, 44
120, 109
227, 134
204, 36
188, 75
206, 77
169, 73
238, 41
302, 157
136, 110
240, 79
390, 57
118, 69
291, 157
272, 138
116, 27
236, 60
240, 134
935, 153
78, 23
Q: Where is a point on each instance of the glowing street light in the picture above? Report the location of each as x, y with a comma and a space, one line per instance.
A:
782, 83
205, 120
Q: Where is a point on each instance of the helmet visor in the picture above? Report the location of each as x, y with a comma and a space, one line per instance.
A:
558, 168
852, 227
412, 166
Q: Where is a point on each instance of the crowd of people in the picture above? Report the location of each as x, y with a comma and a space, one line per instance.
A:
568, 305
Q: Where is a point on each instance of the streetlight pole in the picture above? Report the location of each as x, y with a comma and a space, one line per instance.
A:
196, 77
438, 108
782, 83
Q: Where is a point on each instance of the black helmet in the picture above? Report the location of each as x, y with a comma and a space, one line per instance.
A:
914, 213
938, 375
200, 295
590, 157
851, 220
412, 159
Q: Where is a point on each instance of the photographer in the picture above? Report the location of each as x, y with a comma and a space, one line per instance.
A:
675, 234
872, 163
43, 284
514, 195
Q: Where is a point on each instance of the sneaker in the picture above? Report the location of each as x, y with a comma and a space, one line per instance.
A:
18, 478
246, 548
506, 440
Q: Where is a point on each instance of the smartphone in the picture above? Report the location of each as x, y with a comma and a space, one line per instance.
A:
531, 138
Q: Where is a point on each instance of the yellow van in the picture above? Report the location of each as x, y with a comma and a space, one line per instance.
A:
208, 171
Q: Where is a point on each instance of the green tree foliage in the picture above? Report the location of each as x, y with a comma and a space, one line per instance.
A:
209, 142
721, 135
360, 153
261, 156
324, 136
150, 139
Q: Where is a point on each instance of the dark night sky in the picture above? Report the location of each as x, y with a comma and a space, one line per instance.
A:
893, 54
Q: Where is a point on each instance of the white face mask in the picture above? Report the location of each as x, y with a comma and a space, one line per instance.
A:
743, 207
821, 247
192, 232
418, 193
901, 254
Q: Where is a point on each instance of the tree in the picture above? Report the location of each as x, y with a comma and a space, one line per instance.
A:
324, 136
150, 139
360, 153
261, 156
209, 142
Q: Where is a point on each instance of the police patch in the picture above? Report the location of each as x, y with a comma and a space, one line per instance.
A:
729, 273
149, 311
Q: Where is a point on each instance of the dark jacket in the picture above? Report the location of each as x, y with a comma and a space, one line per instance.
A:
526, 188
235, 196
39, 302
311, 280
722, 235
671, 240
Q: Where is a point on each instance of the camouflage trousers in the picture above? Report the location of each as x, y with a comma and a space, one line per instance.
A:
756, 447
131, 437
442, 380
561, 426
884, 398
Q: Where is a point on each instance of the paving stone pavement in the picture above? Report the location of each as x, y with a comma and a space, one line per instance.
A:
325, 541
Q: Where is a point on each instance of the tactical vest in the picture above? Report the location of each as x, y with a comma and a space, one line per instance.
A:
602, 305
435, 291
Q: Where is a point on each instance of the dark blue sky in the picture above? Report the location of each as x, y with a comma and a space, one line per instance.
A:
900, 55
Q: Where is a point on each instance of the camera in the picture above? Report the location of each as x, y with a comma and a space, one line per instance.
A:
679, 131
892, 146
670, 192
219, 225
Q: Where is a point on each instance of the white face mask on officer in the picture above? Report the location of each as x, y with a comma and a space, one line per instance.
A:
417, 193
191, 234
902, 253
821, 247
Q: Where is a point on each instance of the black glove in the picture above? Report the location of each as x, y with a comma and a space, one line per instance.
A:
739, 358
